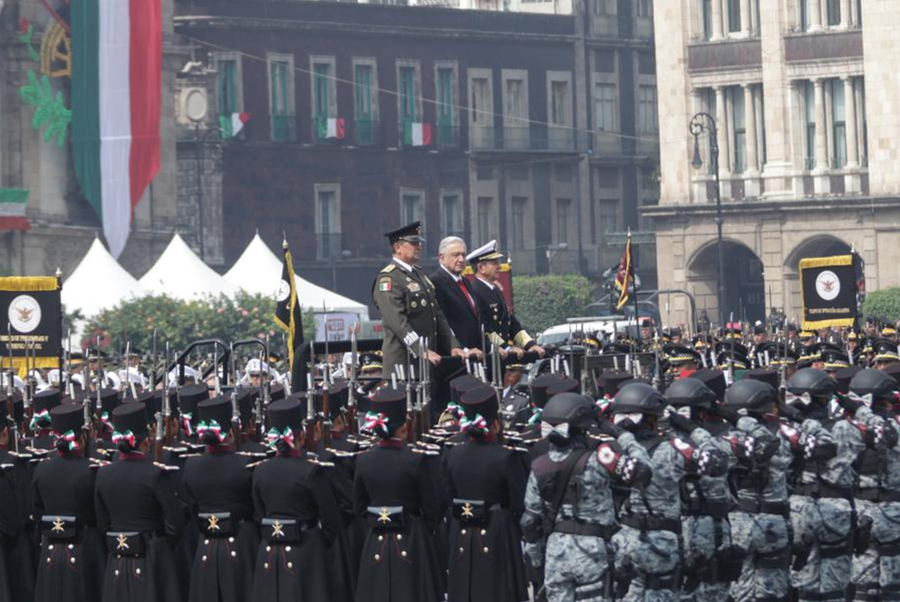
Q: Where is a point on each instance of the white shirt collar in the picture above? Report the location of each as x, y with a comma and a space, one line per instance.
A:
486, 282
452, 275
403, 265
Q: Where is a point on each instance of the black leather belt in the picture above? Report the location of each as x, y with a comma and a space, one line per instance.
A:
652, 523
59, 528
385, 518
763, 507
217, 524
285, 530
473, 511
575, 527
126, 543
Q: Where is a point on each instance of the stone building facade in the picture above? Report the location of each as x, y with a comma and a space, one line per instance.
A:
806, 98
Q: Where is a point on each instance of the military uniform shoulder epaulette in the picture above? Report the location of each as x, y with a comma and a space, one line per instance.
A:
98, 464
340, 453
175, 450
39, 459
7, 466
190, 456
389, 268
166, 467
20, 455
255, 464
425, 452
252, 454
323, 463
38, 451
429, 446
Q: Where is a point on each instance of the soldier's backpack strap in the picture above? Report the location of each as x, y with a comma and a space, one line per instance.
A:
575, 462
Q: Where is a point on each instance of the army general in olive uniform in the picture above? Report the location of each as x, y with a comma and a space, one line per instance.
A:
406, 299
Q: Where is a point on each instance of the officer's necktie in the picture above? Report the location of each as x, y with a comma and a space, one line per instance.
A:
465, 292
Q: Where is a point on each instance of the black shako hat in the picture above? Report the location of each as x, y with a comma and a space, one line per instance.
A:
67, 417
481, 401
130, 417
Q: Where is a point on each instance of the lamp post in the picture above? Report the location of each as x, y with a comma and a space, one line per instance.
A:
704, 123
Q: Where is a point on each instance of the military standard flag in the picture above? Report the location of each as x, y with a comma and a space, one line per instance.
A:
288, 314
625, 275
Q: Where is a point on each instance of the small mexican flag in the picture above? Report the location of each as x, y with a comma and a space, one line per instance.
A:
330, 127
12, 209
416, 134
231, 125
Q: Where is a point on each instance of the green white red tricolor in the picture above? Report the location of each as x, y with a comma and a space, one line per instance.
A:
116, 103
12, 209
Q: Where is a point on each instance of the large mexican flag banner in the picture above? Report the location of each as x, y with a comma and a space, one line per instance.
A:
116, 102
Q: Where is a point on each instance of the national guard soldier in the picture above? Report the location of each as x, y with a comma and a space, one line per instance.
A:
570, 516
218, 486
486, 482
759, 525
394, 489
300, 517
407, 301
138, 510
876, 567
72, 550
708, 555
500, 325
822, 508
648, 548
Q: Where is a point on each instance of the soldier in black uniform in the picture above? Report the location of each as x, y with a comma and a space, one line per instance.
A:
500, 325
10, 514
103, 447
72, 554
219, 486
42, 403
298, 512
406, 298
487, 488
395, 491
141, 516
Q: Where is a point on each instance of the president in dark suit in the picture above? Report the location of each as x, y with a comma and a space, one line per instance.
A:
454, 294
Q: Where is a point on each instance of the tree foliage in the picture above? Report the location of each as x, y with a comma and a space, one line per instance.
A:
883, 304
542, 301
179, 322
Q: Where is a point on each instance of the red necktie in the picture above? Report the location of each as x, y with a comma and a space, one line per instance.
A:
465, 292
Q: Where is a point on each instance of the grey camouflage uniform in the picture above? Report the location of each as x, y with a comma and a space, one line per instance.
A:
651, 553
825, 525
763, 536
576, 566
877, 570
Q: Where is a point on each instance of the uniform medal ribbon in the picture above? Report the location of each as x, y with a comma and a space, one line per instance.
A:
212, 427
477, 424
40, 419
376, 421
274, 436
186, 423
126, 436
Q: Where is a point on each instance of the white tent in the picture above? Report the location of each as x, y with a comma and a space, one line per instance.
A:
98, 283
179, 273
258, 270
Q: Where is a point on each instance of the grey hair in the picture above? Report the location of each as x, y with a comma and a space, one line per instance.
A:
450, 240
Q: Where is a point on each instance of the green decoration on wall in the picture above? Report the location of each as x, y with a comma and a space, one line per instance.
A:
50, 110
25, 37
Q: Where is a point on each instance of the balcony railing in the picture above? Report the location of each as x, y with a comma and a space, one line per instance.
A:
328, 246
536, 138
284, 128
447, 136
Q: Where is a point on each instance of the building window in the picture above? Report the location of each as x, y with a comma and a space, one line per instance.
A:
481, 106
607, 215
734, 15
364, 103
484, 219
412, 207
323, 89
515, 106
706, 11
809, 98
839, 117
281, 99
517, 234
605, 107
563, 207
452, 214
647, 108
446, 132
328, 221
833, 12
738, 125
559, 103
408, 110
227, 86
644, 8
